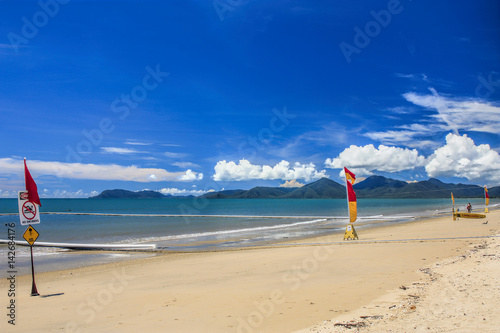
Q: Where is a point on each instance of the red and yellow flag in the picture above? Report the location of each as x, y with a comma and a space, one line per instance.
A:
350, 178
452, 198
486, 195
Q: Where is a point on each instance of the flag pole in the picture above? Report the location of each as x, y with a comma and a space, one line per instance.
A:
453, 207
350, 232
486, 199
347, 196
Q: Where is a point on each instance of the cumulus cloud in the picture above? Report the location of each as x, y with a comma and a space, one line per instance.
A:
95, 171
460, 157
244, 170
292, 183
363, 160
190, 176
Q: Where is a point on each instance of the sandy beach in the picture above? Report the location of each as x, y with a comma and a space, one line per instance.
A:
434, 275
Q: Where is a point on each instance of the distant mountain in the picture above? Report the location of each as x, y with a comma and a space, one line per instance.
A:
324, 188
226, 194
434, 188
321, 189
381, 187
378, 187
371, 187
124, 194
254, 193
494, 192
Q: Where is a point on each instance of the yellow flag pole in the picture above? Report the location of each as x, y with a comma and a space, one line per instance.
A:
453, 207
486, 199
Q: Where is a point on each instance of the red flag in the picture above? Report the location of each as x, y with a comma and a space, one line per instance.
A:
350, 178
31, 186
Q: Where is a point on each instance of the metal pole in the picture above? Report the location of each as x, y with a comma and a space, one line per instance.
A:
34, 292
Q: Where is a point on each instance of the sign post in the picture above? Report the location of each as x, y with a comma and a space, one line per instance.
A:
31, 235
29, 213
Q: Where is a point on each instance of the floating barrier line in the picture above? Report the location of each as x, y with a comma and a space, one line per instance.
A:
77, 246
385, 241
374, 217
153, 247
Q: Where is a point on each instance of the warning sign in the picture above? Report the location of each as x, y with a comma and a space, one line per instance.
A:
350, 232
30, 235
28, 210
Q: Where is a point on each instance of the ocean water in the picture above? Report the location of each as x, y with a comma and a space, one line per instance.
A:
193, 224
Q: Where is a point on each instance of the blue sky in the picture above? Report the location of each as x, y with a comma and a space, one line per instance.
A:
190, 96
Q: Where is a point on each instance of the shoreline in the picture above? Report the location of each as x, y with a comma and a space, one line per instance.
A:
60, 258
278, 288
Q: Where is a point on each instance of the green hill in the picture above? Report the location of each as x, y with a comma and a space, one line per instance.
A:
320, 189
324, 188
371, 187
124, 194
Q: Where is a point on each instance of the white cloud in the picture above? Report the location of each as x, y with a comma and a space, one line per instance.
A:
460, 157
137, 143
190, 176
406, 137
448, 114
122, 151
460, 114
244, 170
292, 183
93, 171
363, 160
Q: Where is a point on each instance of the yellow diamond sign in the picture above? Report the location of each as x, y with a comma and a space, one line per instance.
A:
30, 235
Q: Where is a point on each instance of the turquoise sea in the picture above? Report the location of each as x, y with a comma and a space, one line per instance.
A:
224, 223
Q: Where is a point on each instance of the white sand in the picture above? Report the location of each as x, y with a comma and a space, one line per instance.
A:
280, 288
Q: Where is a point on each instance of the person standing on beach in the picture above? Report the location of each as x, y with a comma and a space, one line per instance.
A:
469, 207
